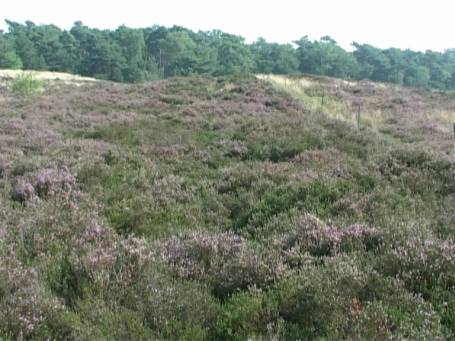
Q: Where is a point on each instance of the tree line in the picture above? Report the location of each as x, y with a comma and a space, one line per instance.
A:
135, 55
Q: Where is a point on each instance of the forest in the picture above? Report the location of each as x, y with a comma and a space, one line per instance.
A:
135, 55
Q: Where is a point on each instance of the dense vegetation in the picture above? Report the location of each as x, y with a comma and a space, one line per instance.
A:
224, 209
134, 55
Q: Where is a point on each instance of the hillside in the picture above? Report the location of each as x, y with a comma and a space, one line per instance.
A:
225, 209
423, 119
7, 76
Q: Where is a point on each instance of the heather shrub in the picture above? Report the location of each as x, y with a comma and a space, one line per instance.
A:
171, 189
312, 235
126, 259
227, 261
50, 181
107, 320
22, 191
237, 179
422, 261
55, 235
124, 188
318, 157
414, 158
443, 224
426, 266
184, 311
317, 197
27, 310
278, 149
339, 300
250, 315
258, 177
221, 209
418, 159
68, 279
317, 302
3, 168
55, 225
158, 304
233, 148
104, 267
277, 226
23, 167
377, 206
353, 206
419, 172
3, 233
140, 200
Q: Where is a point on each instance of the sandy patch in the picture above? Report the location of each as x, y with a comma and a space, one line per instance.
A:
46, 76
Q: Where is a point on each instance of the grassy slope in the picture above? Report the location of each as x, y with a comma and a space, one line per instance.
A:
203, 208
7, 74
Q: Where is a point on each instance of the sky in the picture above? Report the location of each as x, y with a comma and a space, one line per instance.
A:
418, 25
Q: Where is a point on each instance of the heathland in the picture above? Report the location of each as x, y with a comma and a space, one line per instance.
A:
226, 208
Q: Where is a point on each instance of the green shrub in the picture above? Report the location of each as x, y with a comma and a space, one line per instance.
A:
341, 300
27, 84
67, 280
226, 261
317, 197
249, 315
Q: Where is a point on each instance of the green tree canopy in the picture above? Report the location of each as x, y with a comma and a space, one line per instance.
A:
134, 55
8, 57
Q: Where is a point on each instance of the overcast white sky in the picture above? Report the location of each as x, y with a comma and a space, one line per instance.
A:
419, 24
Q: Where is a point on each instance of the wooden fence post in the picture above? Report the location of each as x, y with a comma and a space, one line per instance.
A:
358, 116
321, 108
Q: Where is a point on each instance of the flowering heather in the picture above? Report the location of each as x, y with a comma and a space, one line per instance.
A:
4, 168
169, 151
226, 260
50, 181
185, 254
318, 157
171, 189
222, 209
25, 307
233, 148
314, 236
425, 261
23, 191
244, 176
353, 203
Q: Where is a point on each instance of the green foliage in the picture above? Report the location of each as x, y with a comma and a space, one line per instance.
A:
253, 211
249, 315
274, 58
342, 301
325, 57
135, 55
66, 280
234, 58
8, 56
27, 84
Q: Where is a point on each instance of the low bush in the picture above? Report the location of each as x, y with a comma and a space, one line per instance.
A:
311, 235
226, 261
27, 310
27, 84
317, 197
340, 300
